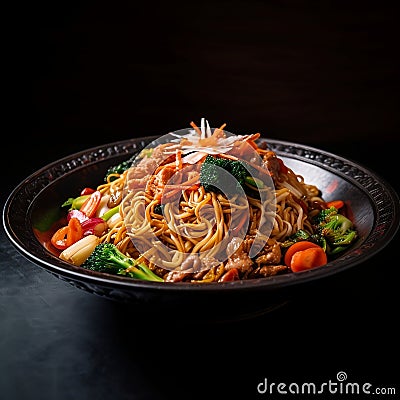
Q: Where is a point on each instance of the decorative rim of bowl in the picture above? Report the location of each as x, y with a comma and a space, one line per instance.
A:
17, 224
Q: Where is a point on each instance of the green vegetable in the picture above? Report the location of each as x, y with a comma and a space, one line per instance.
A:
302, 235
324, 215
159, 209
75, 203
296, 237
106, 257
45, 221
108, 214
338, 231
255, 182
119, 168
211, 175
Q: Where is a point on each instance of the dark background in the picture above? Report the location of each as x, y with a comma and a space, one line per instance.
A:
82, 74
321, 73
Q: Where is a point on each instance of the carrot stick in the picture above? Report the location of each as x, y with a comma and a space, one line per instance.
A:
178, 160
195, 127
219, 130
171, 165
335, 203
227, 156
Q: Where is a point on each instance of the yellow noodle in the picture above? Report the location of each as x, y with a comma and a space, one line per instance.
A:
185, 226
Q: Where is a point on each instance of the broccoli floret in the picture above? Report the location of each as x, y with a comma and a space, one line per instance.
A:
324, 215
106, 257
159, 209
300, 235
238, 170
211, 175
296, 237
338, 231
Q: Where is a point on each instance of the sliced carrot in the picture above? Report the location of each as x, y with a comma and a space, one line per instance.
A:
335, 203
309, 258
298, 246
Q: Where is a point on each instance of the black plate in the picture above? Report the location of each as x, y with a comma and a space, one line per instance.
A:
374, 203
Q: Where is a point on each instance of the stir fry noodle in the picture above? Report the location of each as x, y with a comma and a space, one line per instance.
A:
203, 205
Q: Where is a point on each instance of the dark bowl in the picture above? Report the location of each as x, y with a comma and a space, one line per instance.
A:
374, 204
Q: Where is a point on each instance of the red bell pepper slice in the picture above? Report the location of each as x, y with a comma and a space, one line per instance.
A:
67, 235
89, 207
